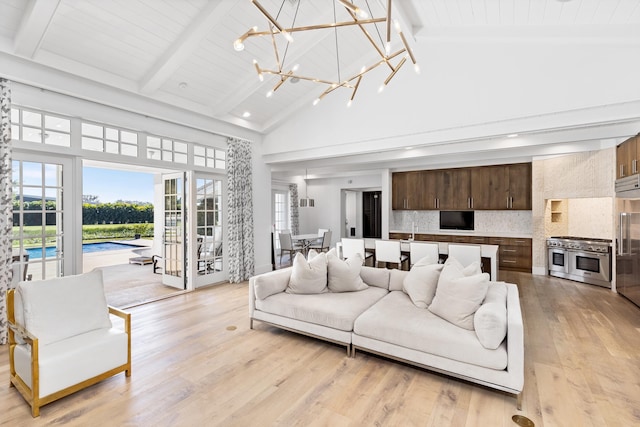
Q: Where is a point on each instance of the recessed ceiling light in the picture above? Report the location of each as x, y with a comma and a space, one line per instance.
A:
182, 85
408, 148
246, 114
512, 135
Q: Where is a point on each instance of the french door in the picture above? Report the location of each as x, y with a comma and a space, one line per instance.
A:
42, 223
210, 244
174, 231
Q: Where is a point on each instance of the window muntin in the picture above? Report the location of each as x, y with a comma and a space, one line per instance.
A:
209, 157
41, 128
108, 139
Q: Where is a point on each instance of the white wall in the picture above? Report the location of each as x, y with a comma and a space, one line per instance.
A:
327, 193
459, 89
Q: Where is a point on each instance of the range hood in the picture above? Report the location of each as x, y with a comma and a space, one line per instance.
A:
628, 187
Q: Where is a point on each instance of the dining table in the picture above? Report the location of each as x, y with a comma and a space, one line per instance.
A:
305, 240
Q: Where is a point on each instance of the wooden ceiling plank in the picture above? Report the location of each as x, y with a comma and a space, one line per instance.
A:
33, 26
185, 45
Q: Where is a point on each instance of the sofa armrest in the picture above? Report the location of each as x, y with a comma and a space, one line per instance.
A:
266, 284
515, 337
123, 315
22, 333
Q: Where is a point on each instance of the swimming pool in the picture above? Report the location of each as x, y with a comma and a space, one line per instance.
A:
36, 253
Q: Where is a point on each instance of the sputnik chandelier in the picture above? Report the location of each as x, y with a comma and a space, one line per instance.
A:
360, 18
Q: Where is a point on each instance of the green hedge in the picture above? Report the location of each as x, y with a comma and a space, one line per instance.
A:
101, 213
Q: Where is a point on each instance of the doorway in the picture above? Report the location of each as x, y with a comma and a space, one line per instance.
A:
371, 214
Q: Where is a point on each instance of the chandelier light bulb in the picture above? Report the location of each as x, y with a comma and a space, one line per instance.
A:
416, 68
381, 88
238, 45
287, 36
361, 13
269, 94
396, 24
315, 101
295, 68
387, 48
349, 103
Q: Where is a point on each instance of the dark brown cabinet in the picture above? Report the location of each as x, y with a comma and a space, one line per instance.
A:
513, 253
627, 156
482, 188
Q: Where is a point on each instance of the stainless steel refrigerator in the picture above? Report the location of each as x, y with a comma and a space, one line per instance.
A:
628, 248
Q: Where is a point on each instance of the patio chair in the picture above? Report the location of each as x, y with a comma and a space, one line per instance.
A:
20, 266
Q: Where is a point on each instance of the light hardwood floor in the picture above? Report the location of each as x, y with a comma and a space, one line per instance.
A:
192, 368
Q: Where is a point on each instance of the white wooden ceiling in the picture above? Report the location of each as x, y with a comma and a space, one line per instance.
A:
180, 52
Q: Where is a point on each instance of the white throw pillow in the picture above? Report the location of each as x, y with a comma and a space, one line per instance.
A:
421, 282
458, 296
308, 277
490, 323
311, 254
344, 276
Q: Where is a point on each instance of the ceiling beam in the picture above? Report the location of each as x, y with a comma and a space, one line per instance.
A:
33, 26
185, 45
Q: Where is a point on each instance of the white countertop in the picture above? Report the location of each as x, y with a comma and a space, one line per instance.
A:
467, 233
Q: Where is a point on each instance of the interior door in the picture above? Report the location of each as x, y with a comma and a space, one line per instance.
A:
173, 235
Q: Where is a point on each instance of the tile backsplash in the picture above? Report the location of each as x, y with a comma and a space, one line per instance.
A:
494, 222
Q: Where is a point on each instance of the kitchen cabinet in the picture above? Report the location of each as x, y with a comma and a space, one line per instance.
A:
406, 191
514, 253
501, 187
446, 189
483, 188
627, 156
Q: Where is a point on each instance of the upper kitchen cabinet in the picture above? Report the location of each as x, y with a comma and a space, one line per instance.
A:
407, 192
520, 183
488, 187
501, 187
628, 154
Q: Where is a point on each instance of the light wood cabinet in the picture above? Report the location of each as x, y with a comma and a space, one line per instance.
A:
627, 156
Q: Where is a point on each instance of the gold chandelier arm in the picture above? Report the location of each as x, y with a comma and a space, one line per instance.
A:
267, 15
388, 25
400, 64
366, 33
319, 26
275, 49
406, 46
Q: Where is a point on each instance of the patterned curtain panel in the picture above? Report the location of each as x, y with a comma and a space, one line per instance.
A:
293, 201
239, 210
6, 204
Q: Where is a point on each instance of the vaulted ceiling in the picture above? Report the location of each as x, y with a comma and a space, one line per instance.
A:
181, 53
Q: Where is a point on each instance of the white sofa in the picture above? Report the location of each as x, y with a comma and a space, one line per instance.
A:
382, 319
61, 338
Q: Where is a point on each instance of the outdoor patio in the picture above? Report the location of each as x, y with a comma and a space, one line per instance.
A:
127, 284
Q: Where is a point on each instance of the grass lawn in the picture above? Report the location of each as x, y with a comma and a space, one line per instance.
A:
32, 235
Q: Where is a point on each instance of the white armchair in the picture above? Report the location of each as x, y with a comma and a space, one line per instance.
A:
61, 339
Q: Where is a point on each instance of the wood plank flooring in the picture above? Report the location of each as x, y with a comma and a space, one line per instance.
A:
190, 367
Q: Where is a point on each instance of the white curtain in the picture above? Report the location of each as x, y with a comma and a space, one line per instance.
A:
239, 210
293, 202
6, 204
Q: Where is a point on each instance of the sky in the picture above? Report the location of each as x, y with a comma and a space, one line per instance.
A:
112, 185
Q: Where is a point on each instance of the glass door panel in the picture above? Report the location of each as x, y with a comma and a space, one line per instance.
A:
210, 261
174, 232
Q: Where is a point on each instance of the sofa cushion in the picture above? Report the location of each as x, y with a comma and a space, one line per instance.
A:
372, 276
421, 282
56, 309
334, 310
308, 277
344, 276
396, 279
490, 320
76, 359
396, 320
458, 295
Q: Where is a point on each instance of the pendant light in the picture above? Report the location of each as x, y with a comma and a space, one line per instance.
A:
306, 202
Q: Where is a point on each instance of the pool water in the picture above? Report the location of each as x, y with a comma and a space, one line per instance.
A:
36, 253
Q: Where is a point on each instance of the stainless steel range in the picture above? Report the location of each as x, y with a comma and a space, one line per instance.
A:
581, 259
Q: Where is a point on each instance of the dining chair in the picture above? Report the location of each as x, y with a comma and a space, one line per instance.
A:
419, 250
286, 245
350, 247
325, 244
389, 252
465, 254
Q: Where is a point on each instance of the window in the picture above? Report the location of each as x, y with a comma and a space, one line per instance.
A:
280, 214
166, 150
109, 140
32, 126
209, 225
209, 157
